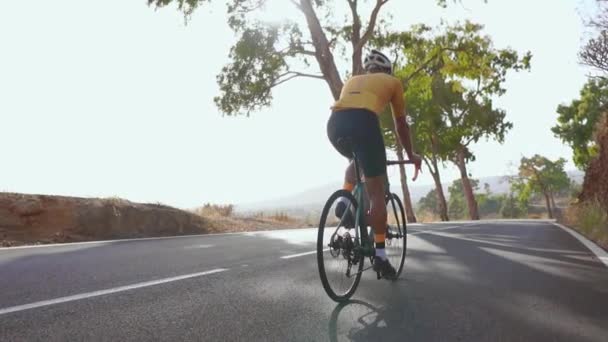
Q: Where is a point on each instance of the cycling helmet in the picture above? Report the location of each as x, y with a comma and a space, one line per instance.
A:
377, 60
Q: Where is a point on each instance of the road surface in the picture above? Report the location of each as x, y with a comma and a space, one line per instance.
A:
466, 281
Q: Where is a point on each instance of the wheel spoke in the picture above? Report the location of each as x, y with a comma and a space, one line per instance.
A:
338, 268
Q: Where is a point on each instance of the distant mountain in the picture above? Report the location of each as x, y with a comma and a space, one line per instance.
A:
313, 199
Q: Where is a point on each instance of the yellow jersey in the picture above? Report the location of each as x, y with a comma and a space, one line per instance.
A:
372, 92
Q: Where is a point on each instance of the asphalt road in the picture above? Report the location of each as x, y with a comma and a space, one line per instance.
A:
481, 281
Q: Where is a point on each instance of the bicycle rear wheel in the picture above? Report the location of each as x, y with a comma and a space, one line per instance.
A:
396, 237
339, 256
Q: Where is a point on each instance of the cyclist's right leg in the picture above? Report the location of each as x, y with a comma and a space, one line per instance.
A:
371, 152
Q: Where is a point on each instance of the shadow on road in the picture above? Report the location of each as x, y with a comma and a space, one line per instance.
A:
374, 324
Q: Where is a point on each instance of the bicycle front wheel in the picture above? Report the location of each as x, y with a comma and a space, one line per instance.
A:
339, 256
396, 238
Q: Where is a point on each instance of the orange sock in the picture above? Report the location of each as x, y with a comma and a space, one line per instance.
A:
348, 186
379, 238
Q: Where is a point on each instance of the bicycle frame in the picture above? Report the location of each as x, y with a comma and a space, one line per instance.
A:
361, 233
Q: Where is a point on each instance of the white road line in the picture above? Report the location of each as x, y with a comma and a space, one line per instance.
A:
67, 244
198, 246
105, 292
297, 255
595, 249
433, 230
415, 233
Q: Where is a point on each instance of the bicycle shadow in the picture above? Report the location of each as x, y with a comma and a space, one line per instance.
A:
371, 323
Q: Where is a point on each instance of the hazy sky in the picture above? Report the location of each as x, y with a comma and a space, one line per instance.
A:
114, 98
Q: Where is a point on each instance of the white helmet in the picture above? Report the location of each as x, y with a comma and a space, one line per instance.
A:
376, 59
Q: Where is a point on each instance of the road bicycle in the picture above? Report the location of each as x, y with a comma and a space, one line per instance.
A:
343, 247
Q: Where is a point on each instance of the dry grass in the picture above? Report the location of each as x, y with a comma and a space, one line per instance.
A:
115, 200
222, 218
427, 216
591, 219
215, 210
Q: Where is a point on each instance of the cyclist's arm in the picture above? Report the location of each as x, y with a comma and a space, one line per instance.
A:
403, 130
399, 115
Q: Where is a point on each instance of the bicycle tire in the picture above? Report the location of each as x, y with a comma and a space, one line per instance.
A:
322, 253
395, 207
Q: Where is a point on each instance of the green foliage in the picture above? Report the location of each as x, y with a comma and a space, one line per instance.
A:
540, 176
186, 6
512, 208
451, 75
429, 203
577, 121
266, 55
489, 204
522, 191
257, 65
457, 206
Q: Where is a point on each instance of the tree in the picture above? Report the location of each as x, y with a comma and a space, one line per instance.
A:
429, 203
391, 142
595, 51
451, 78
456, 204
267, 55
511, 208
516, 205
543, 176
490, 204
576, 122
427, 129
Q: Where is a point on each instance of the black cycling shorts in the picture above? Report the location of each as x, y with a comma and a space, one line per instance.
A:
362, 128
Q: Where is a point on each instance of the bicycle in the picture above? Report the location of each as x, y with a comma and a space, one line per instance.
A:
341, 246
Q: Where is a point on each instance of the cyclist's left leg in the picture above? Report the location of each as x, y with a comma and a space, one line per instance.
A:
349, 184
339, 126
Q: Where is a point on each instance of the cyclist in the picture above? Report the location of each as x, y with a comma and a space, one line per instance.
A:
355, 117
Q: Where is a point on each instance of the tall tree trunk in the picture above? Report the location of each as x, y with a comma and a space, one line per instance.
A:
466, 185
548, 202
323, 52
553, 202
443, 206
434, 170
555, 211
409, 210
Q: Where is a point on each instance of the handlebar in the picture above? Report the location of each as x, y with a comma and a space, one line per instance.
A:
396, 162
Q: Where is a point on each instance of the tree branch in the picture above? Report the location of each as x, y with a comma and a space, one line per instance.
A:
292, 75
297, 5
291, 50
371, 25
426, 63
356, 34
355, 38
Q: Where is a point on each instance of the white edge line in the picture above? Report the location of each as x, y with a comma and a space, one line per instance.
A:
595, 249
434, 230
301, 254
105, 292
67, 244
